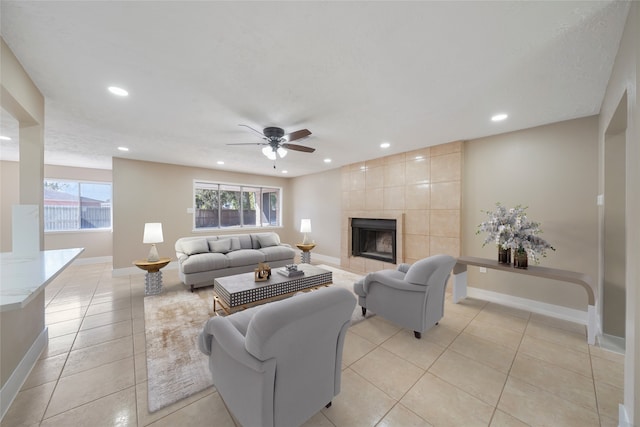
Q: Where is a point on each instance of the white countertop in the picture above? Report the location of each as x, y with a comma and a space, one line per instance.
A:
23, 277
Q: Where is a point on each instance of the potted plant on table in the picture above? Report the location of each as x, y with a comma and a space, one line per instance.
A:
511, 229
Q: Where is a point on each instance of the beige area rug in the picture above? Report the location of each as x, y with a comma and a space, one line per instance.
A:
175, 366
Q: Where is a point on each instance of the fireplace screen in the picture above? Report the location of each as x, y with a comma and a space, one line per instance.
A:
374, 238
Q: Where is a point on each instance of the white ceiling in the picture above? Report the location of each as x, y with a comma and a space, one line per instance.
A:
355, 74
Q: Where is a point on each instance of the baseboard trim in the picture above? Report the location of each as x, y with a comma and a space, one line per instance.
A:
93, 260
130, 271
623, 417
19, 375
526, 304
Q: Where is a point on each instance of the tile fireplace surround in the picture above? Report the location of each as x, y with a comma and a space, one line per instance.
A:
421, 190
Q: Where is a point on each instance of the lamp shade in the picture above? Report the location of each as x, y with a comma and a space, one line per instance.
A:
153, 233
305, 226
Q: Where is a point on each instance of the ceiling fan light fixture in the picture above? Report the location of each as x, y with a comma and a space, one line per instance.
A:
268, 151
282, 152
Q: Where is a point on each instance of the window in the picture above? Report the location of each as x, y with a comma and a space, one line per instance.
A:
76, 205
229, 205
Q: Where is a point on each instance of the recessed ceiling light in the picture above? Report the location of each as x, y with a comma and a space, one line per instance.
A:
285, 171
118, 91
385, 145
5, 138
499, 117
327, 160
123, 149
220, 162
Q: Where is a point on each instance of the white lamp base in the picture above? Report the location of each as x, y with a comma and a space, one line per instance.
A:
153, 254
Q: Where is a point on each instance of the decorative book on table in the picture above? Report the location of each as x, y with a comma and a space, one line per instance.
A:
290, 273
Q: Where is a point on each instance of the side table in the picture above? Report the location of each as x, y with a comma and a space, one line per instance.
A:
153, 278
306, 248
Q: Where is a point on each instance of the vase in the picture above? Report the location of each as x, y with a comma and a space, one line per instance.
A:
504, 255
520, 259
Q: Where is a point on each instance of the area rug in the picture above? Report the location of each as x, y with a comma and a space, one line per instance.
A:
176, 368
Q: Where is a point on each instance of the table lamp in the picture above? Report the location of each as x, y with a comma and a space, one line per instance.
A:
153, 235
305, 227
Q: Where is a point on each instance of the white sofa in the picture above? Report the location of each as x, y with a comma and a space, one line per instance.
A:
201, 259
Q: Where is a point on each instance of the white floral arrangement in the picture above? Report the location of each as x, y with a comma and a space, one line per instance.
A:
512, 229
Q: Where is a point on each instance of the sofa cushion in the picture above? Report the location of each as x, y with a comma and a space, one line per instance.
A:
268, 240
277, 253
196, 246
204, 262
245, 257
220, 246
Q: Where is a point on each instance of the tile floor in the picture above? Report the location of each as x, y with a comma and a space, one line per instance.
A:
484, 365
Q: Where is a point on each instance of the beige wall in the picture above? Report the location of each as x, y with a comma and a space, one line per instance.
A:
159, 192
553, 170
9, 196
316, 197
624, 79
421, 189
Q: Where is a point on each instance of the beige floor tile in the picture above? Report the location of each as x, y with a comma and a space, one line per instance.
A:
64, 328
609, 399
58, 345
477, 379
145, 417
139, 343
608, 372
469, 307
568, 326
375, 329
441, 335
54, 306
140, 361
318, 420
401, 416
86, 386
561, 382
503, 309
355, 347
388, 372
501, 419
117, 409
494, 333
110, 305
138, 324
484, 351
606, 354
103, 334
97, 355
443, 404
557, 354
457, 322
577, 342
106, 318
539, 408
420, 352
608, 422
45, 371
64, 315
359, 403
209, 410
503, 319
29, 406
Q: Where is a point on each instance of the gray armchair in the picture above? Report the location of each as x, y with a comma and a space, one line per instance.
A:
280, 363
411, 296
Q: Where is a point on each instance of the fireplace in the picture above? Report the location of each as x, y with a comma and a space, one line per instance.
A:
374, 238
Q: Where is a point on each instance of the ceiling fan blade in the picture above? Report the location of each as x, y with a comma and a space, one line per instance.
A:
256, 131
249, 143
294, 136
296, 147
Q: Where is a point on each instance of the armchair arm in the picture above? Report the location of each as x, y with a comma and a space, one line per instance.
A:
231, 341
404, 267
391, 282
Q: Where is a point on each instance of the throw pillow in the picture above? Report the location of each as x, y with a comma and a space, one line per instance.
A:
197, 246
220, 246
267, 240
235, 244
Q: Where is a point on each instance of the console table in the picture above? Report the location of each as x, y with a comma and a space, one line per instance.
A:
583, 280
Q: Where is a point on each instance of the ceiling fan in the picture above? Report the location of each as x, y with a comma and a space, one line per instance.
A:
276, 143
